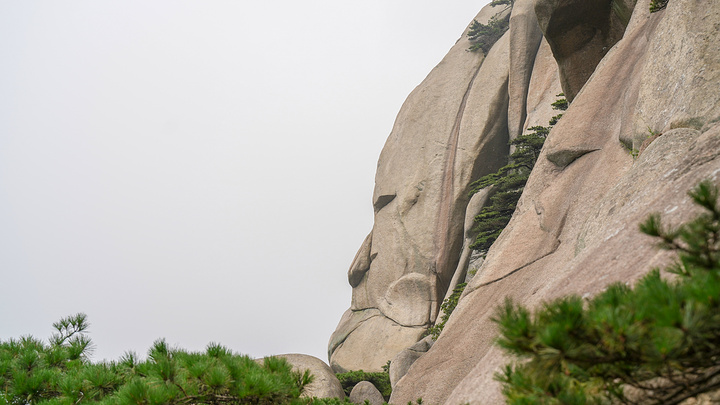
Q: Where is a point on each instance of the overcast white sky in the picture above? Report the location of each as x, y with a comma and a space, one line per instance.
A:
198, 170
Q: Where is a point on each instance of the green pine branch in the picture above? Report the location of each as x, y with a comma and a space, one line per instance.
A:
484, 36
660, 337
32, 372
509, 182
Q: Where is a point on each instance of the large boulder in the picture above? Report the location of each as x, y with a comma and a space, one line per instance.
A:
366, 340
366, 391
451, 130
324, 385
575, 229
401, 363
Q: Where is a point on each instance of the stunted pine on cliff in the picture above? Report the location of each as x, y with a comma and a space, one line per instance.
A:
509, 182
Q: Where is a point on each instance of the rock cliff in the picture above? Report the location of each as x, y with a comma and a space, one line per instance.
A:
629, 73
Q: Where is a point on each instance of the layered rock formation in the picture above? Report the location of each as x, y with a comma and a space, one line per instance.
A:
629, 73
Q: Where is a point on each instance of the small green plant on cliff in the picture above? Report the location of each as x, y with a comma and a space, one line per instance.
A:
655, 343
381, 381
561, 103
484, 36
509, 182
657, 5
447, 307
649, 137
60, 373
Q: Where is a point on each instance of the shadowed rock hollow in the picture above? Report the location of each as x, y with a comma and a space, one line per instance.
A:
629, 72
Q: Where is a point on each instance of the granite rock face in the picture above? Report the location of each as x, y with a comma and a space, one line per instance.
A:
643, 128
575, 229
451, 130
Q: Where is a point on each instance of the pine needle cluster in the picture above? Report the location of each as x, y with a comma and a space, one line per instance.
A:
59, 373
655, 343
447, 307
509, 182
484, 36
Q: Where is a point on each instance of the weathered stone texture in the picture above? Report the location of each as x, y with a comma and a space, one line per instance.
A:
576, 227
366, 340
580, 32
401, 363
543, 89
525, 36
451, 130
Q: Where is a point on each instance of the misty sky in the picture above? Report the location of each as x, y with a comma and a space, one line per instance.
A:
200, 171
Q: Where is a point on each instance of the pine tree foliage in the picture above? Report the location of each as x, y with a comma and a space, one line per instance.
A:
484, 36
59, 373
655, 343
508, 183
561, 104
657, 5
447, 307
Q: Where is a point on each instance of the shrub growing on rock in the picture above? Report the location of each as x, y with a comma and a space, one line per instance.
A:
484, 36
655, 343
657, 5
447, 307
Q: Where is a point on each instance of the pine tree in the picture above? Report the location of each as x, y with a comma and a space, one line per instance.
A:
447, 307
484, 36
661, 338
509, 182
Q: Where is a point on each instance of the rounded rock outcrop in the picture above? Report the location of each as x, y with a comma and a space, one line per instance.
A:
366, 391
324, 384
